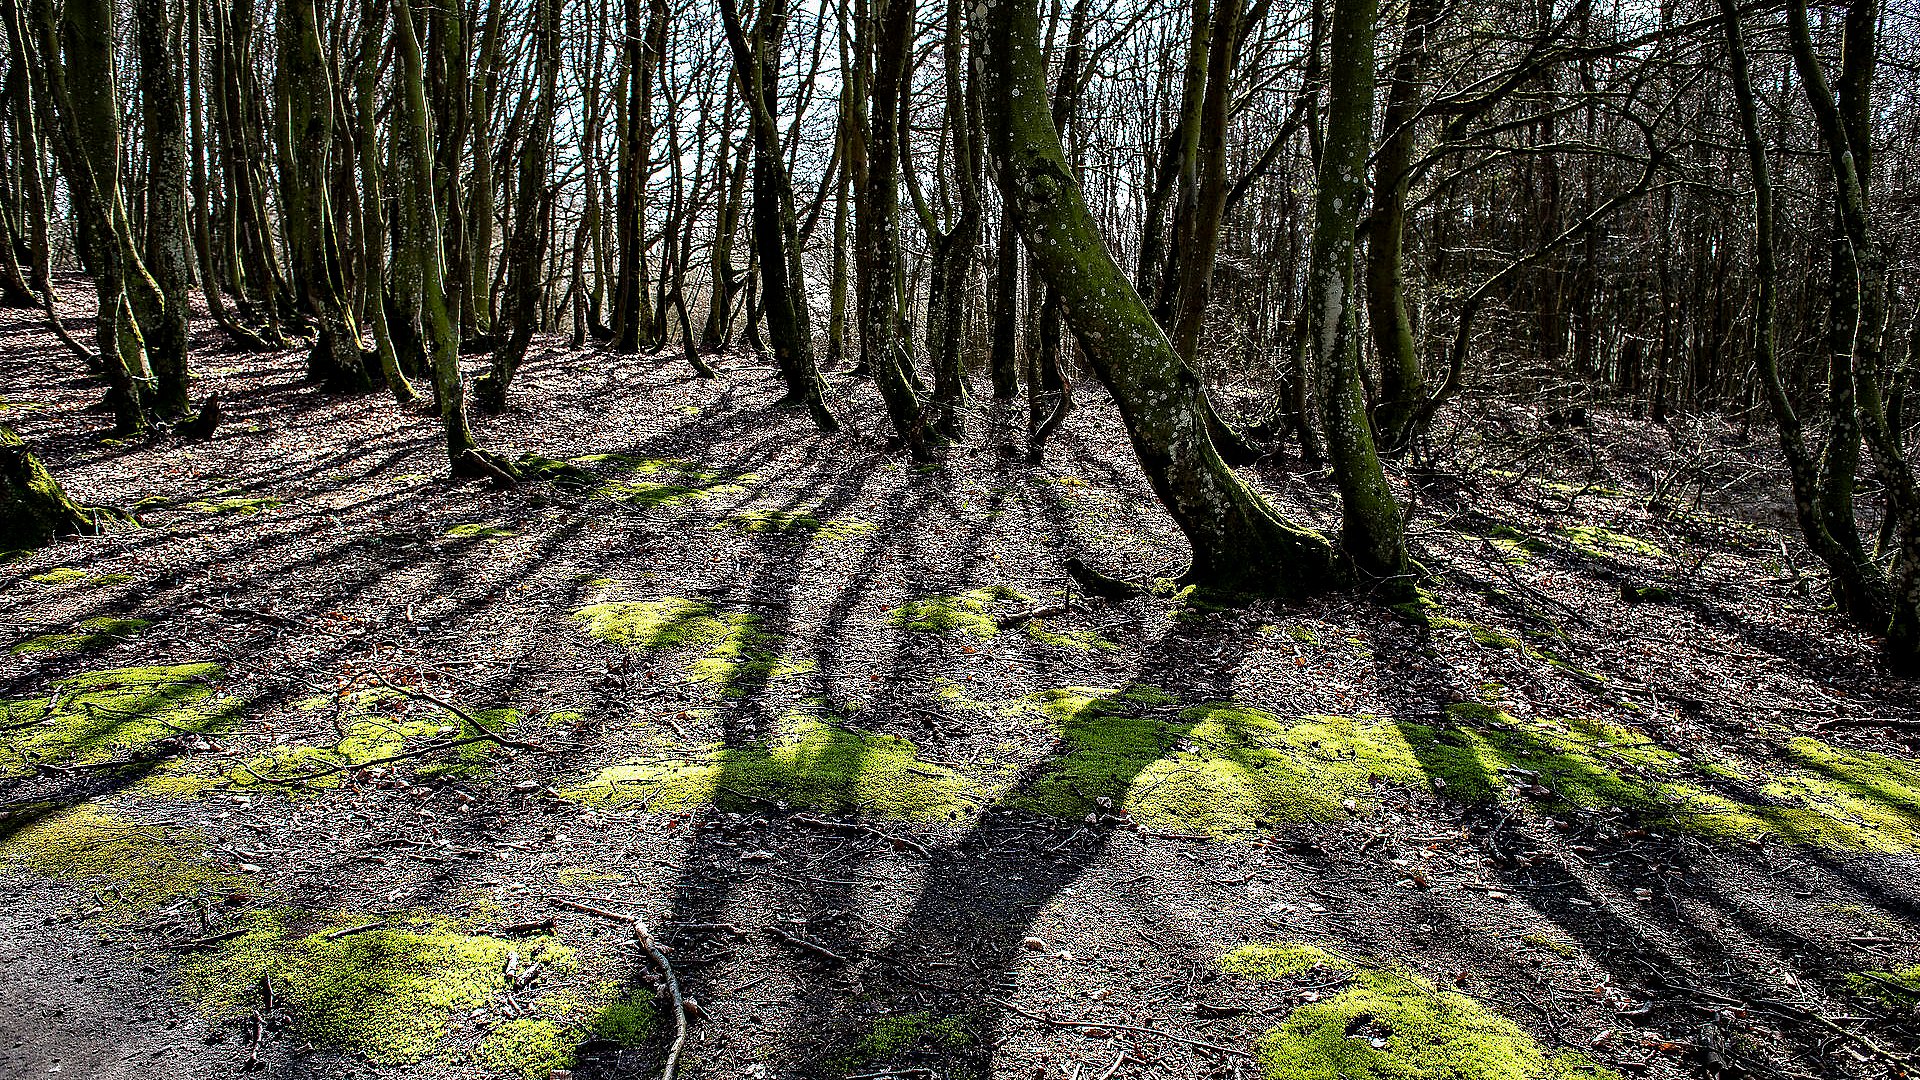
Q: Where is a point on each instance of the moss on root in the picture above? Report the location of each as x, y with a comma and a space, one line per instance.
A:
1386, 1024
99, 715
812, 763
1604, 542
737, 653
479, 530
232, 503
93, 633
391, 992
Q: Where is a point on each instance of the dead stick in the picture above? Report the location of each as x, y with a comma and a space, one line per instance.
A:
644, 938
804, 945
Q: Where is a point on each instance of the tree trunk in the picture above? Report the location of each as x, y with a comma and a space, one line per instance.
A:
526, 251
1238, 540
1371, 531
1402, 388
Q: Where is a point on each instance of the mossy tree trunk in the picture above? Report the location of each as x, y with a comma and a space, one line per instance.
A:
306, 133
1402, 387
632, 317
442, 334
483, 198
373, 203
1371, 531
81, 76
1843, 120
34, 510
776, 231
1238, 540
164, 243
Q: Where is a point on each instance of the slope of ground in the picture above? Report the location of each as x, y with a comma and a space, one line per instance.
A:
328, 767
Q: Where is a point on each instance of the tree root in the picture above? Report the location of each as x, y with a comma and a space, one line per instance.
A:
644, 938
1101, 585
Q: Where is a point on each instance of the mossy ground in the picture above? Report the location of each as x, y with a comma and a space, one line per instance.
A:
976, 613
101, 715
1384, 1024
390, 993
89, 633
797, 523
736, 653
811, 763
131, 867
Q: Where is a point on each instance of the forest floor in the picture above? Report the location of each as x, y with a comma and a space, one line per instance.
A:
338, 768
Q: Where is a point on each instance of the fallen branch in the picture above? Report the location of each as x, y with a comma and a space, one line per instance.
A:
349, 931
804, 945
856, 827
466, 718
644, 938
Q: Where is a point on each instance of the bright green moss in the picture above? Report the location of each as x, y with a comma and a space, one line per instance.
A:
535, 1047
369, 737
782, 522
59, 575
1392, 1025
389, 993
1215, 768
1078, 640
1895, 989
135, 868
552, 470
968, 613
1597, 540
812, 763
91, 633
479, 530
1484, 636
100, 715
681, 481
739, 654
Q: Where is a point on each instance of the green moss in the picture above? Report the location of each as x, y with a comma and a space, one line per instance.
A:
681, 481
811, 763
1484, 636
739, 654
1392, 1025
1895, 989
136, 868
894, 1035
369, 736
535, 1047
1303, 634
1216, 768
99, 715
480, 530
232, 502
101, 630
1597, 540
1562, 949
761, 520
390, 993
967, 613
1079, 640
552, 470
59, 575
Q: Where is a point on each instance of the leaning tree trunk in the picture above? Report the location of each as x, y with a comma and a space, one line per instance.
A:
1238, 540
442, 335
1371, 531
373, 203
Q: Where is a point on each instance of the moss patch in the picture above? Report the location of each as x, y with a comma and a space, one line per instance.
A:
786, 523
94, 633
371, 735
59, 575
1391, 1025
674, 481
390, 993
893, 1036
231, 502
1896, 989
812, 763
974, 614
479, 530
1604, 542
97, 716
737, 653
136, 867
